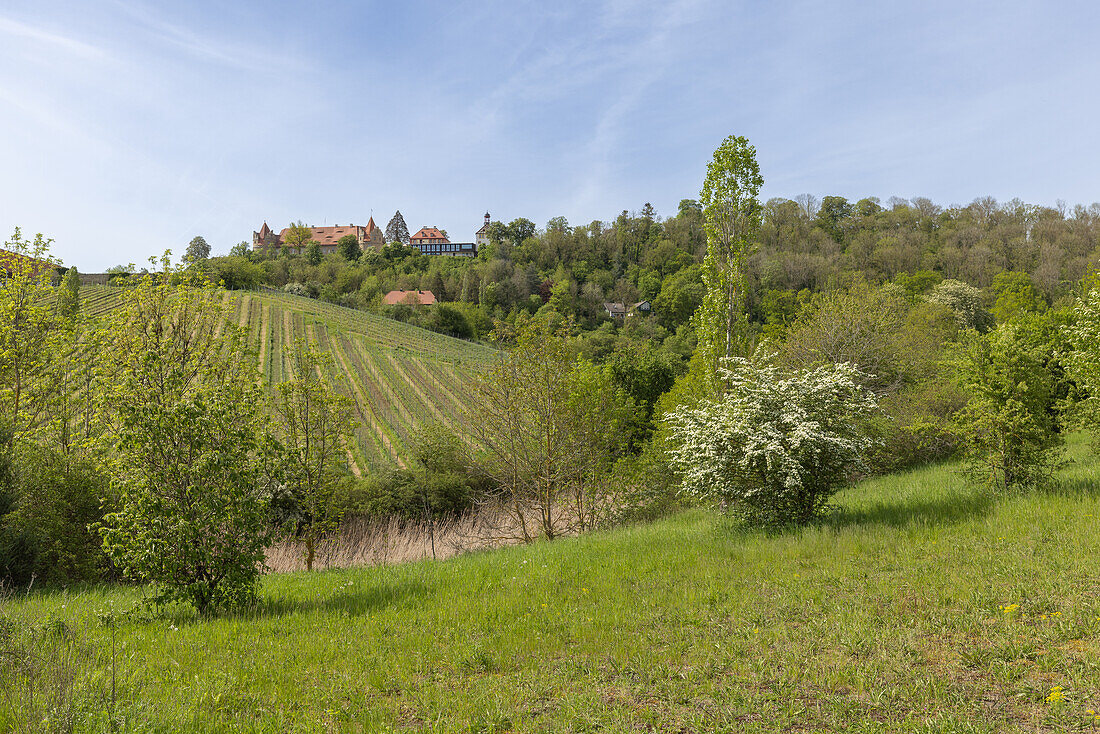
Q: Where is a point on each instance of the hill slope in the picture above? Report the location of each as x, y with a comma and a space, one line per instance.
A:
922, 605
401, 377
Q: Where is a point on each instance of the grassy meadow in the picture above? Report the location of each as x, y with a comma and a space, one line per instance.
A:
919, 605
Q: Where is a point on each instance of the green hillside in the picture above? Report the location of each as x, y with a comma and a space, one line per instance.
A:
400, 376
920, 605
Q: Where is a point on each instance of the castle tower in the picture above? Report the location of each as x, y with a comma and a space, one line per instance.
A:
482, 236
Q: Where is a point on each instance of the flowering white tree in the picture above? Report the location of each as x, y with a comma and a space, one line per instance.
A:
774, 446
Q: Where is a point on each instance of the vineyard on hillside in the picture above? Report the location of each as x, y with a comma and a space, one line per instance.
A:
401, 377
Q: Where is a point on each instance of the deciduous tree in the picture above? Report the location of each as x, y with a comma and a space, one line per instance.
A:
29, 324
197, 249
545, 425
184, 446
68, 295
298, 236
1011, 422
732, 215
966, 303
348, 246
315, 424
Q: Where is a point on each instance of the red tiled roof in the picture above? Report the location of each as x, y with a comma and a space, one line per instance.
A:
425, 298
325, 235
429, 233
15, 262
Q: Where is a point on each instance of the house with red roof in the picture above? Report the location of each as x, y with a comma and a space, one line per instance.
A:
428, 236
410, 298
16, 263
432, 241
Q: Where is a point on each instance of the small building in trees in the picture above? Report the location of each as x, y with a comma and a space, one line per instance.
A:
615, 310
409, 298
368, 235
621, 311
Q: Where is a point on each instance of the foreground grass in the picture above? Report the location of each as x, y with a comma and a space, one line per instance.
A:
890, 616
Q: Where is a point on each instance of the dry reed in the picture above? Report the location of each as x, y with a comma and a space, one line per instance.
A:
364, 542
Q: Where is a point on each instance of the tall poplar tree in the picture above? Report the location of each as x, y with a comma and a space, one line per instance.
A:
732, 215
68, 295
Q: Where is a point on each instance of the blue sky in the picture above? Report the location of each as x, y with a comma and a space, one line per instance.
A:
128, 127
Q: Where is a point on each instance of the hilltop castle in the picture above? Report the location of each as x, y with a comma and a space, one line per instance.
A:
429, 240
369, 235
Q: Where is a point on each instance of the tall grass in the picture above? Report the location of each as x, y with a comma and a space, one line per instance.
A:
51, 677
920, 605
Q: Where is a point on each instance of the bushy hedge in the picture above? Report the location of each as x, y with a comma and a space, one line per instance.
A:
47, 504
441, 482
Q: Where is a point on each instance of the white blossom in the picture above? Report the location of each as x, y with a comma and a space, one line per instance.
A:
775, 446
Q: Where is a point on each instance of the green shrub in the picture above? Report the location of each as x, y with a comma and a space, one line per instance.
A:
446, 319
47, 505
408, 494
1011, 422
916, 426
186, 449
440, 483
235, 272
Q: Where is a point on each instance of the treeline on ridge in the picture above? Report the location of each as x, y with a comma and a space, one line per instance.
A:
805, 246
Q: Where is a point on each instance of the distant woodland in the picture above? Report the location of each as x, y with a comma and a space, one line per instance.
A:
805, 246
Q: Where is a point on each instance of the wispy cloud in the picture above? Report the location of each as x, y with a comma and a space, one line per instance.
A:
207, 117
245, 56
19, 29
644, 63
